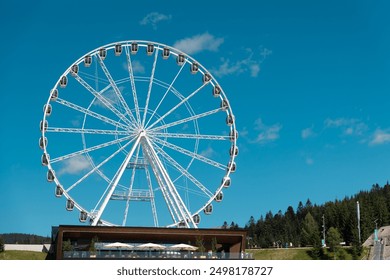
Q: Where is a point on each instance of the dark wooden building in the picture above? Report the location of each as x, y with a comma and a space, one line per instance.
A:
228, 241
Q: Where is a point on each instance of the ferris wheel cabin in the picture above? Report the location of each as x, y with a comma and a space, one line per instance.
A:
118, 49
47, 109
45, 159
59, 191
74, 70
206, 78
216, 91
196, 219
50, 175
233, 135
230, 120
208, 209
233, 151
102, 53
165, 53
226, 182
87, 61
83, 216
53, 94
42, 142
194, 67
69, 205
224, 105
43, 125
134, 48
218, 197
180, 59
150, 49
63, 81
232, 167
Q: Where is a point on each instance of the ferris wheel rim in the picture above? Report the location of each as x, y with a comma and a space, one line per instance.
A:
175, 52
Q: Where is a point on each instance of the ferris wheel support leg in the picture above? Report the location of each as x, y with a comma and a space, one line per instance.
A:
116, 181
185, 214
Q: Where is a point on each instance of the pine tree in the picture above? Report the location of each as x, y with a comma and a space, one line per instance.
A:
1, 245
310, 231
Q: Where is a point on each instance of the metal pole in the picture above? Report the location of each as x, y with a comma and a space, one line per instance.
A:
358, 218
323, 229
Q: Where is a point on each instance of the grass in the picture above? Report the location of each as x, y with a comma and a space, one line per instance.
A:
22, 255
281, 254
344, 253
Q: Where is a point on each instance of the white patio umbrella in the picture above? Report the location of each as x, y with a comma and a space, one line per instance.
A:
119, 245
151, 246
184, 247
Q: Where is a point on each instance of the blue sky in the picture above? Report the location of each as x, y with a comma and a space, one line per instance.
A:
308, 82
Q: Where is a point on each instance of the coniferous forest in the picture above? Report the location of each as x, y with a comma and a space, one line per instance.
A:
303, 226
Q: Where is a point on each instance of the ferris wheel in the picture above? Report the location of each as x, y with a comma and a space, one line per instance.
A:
138, 133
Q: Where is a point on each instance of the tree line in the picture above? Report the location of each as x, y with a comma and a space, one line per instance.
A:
22, 238
304, 226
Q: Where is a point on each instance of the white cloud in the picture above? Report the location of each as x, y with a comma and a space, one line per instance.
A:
136, 65
307, 133
228, 68
76, 122
209, 152
337, 122
254, 69
138, 68
352, 127
309, 161
244, 132
380, 137
198, 43
266, 133
110, 96
75, 165
154, 18
251, 64
265, 52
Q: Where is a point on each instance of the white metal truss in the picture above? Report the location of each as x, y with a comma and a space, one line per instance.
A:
182, 211
114, 183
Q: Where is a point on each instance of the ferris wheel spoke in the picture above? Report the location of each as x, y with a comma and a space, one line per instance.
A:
133, 171
153, 204
184, 214
165, 94
94, 148
192, 118
112, 186
133, 88
189, 153
184, 171
189, 136
116, 89
150, 86
177, 105
91, 113
162, 187
97, 167
87, 131
106, 102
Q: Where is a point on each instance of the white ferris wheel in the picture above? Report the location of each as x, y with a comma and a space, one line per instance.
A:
138, 133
